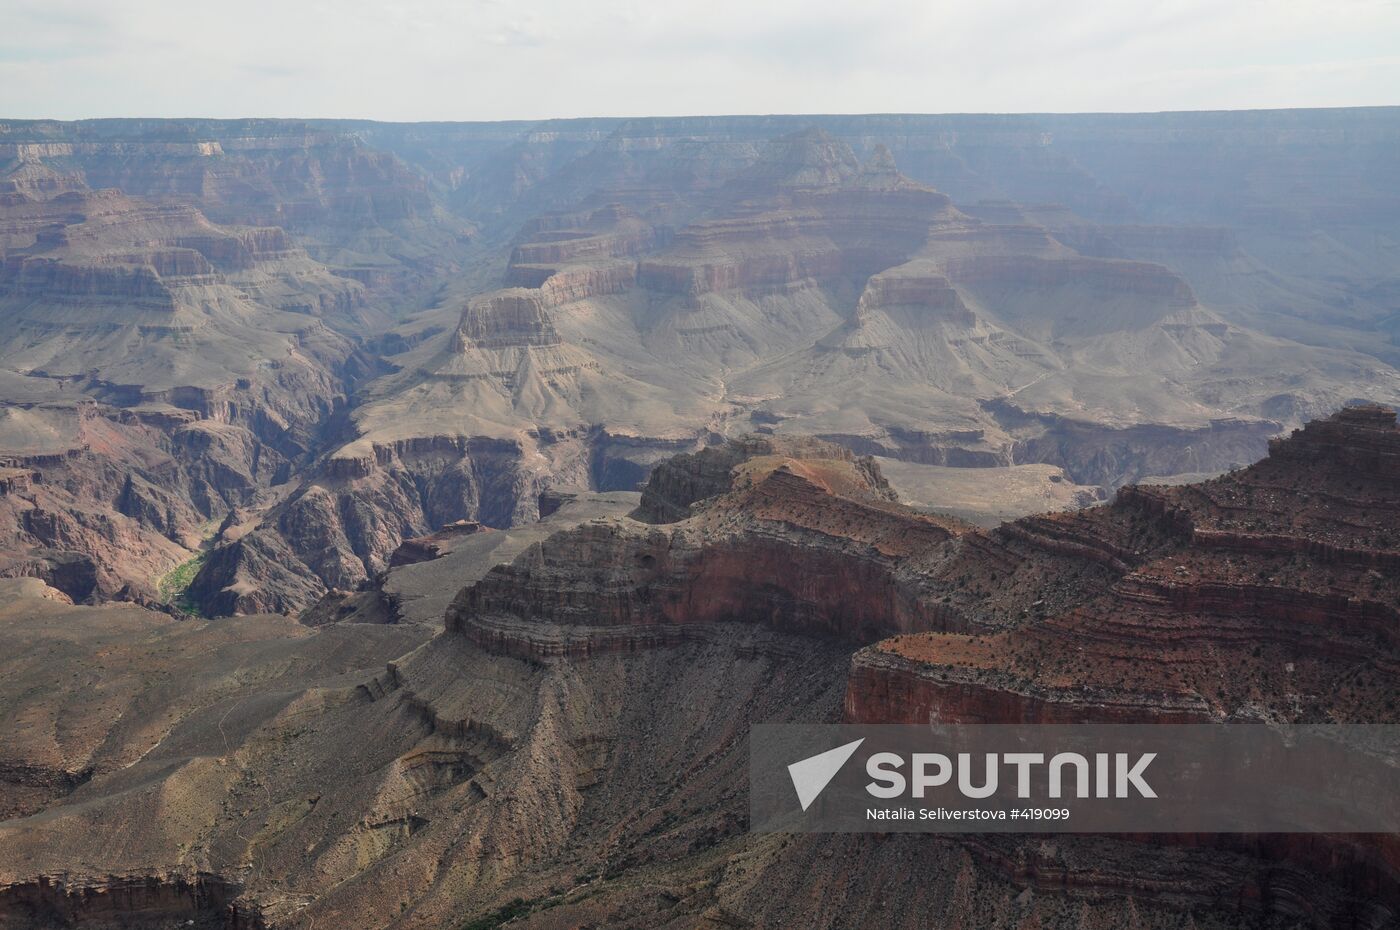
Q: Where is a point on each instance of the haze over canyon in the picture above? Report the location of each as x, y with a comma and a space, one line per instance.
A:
402, 523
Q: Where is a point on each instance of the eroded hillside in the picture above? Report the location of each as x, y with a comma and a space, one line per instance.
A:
570, 748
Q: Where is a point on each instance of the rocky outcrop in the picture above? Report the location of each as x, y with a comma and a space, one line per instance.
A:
791, 543
679, 482
128, 901
683, 480
752, 254
427, 548
507, 319
1270, 572
554, 240
343, 526
1362, 438
930, 294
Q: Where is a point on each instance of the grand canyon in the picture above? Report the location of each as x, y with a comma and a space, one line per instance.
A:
402, 524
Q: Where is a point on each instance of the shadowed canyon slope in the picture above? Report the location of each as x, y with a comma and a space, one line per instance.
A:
257, 355
569, 749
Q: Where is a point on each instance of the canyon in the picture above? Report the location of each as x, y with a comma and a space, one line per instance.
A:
565, 745
306, 341
401, 525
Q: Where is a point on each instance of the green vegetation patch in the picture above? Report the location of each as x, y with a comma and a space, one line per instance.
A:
173, 586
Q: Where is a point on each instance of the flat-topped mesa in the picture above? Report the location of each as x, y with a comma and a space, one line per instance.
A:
926, 292
512, 318
103, 245
574, 256
172, 262
427, 548
576, 282
234, 179
242, 249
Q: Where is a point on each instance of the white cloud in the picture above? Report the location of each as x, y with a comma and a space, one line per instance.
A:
498, 59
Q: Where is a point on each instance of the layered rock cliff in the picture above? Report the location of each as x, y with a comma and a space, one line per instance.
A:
571, 747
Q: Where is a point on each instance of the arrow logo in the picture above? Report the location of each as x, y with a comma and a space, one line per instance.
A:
811, 776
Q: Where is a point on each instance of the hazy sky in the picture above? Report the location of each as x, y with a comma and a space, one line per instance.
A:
498, 59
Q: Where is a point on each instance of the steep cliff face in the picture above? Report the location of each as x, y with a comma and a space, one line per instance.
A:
1273, 598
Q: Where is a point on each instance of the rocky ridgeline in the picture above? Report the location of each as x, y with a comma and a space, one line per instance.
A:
1117, 614
612, 231
1259, 601
798, 544
1281, 558
1363, 438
